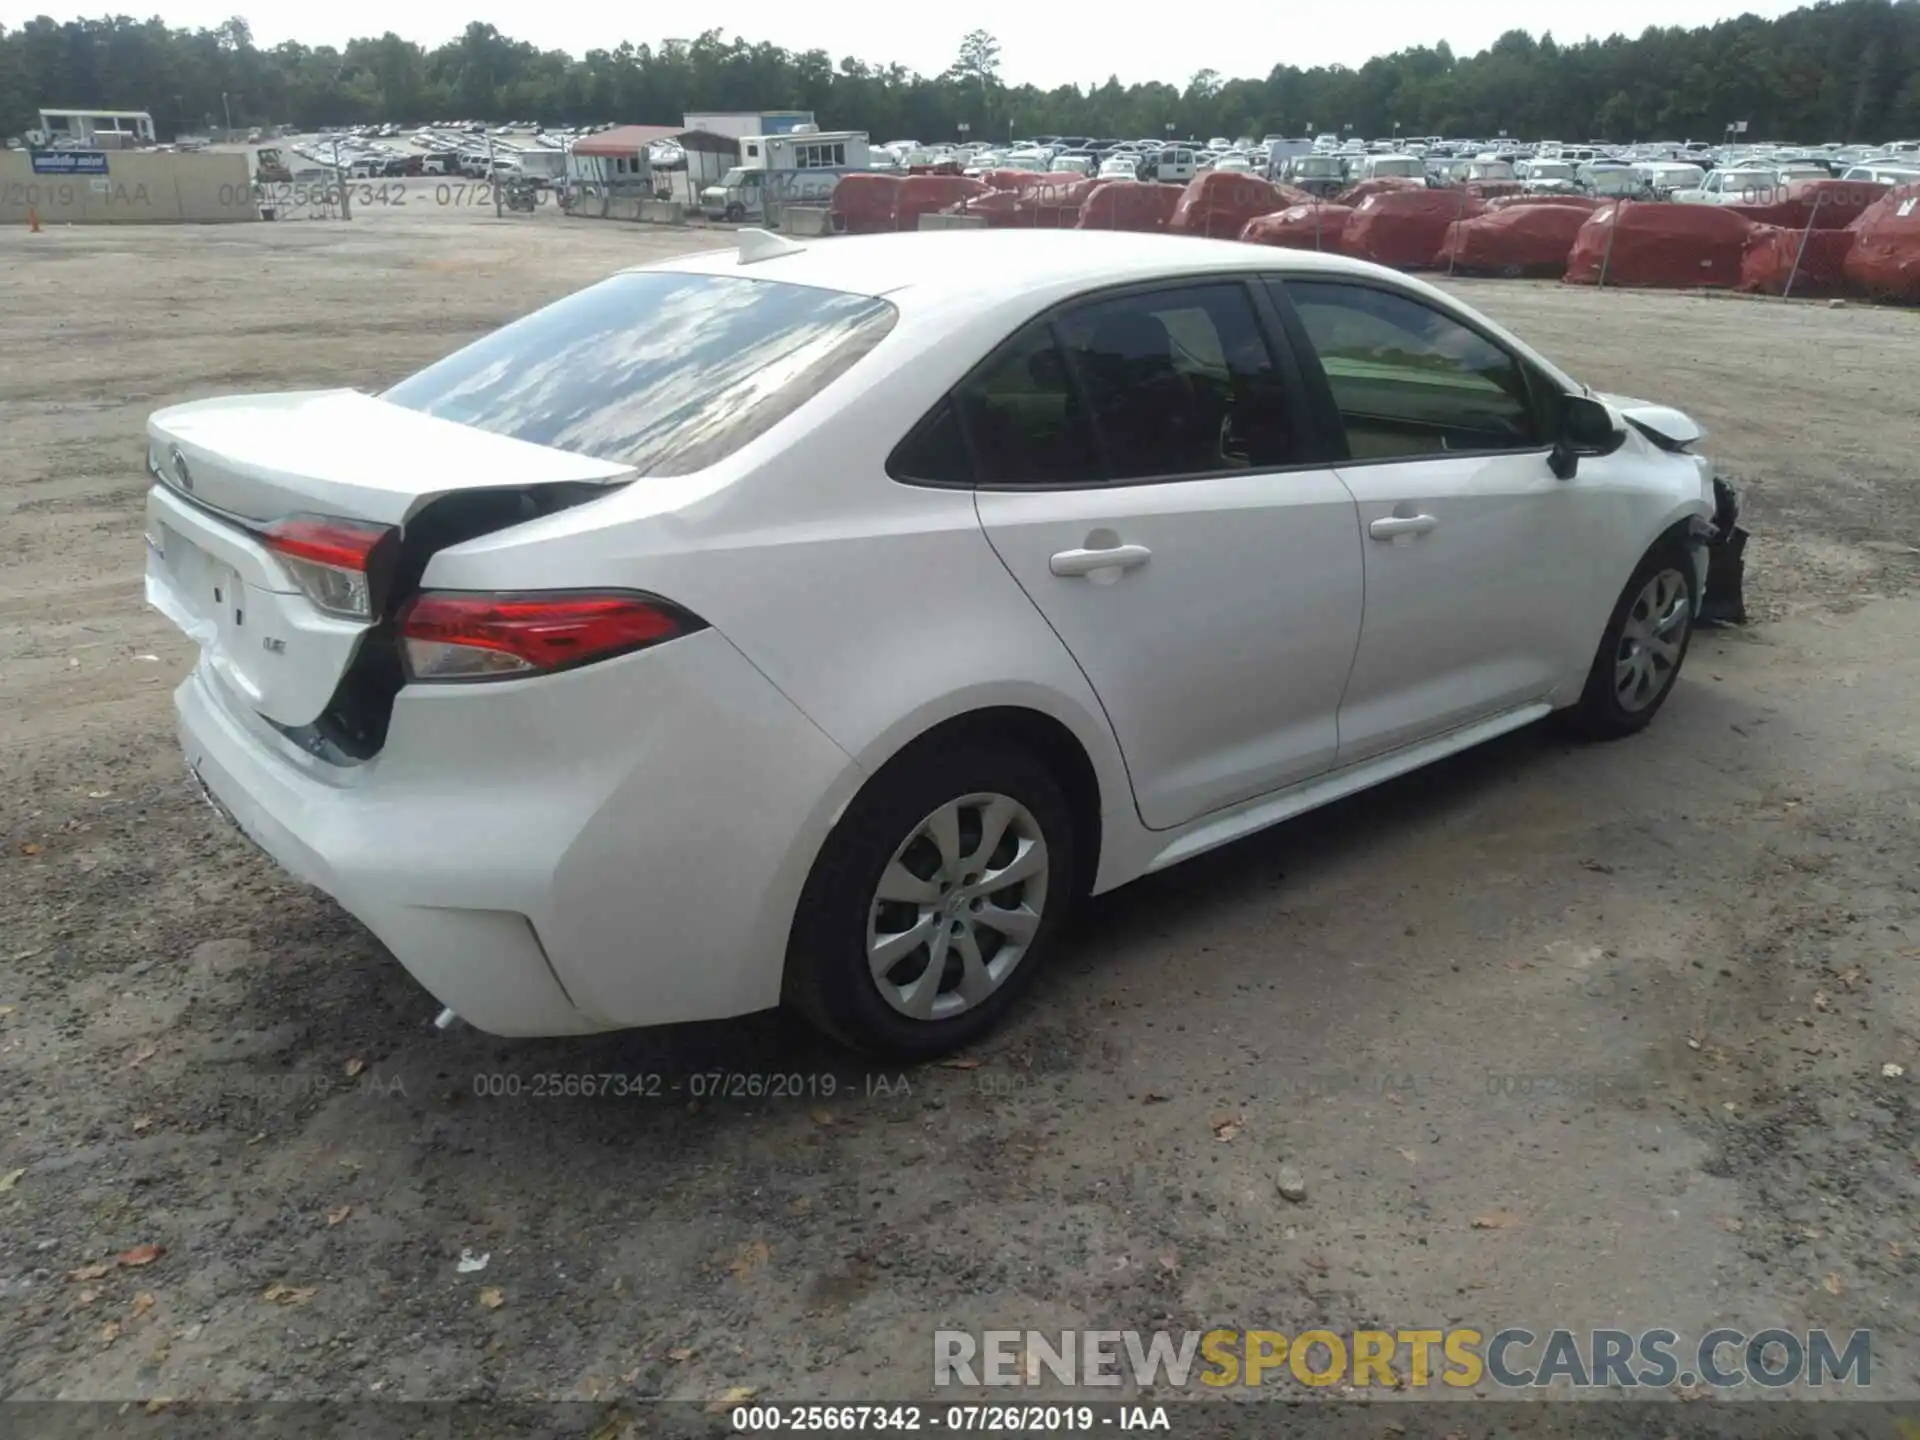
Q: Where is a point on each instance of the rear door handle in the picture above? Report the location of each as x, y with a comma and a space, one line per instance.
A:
1389, 527
1085, 562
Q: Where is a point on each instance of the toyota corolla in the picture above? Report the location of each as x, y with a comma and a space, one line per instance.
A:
818, 623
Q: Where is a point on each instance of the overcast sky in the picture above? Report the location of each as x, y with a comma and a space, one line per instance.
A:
1043, 44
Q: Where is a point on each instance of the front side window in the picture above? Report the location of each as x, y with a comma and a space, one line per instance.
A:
665, 372
1410, 381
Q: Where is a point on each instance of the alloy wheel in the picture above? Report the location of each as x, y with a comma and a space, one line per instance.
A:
1651, 641
957, 906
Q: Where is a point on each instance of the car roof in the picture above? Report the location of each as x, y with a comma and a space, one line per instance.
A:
955, 263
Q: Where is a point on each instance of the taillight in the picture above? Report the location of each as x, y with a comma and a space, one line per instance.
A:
462, 635
338, 564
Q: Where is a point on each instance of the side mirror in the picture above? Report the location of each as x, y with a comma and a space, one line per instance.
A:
1585, 427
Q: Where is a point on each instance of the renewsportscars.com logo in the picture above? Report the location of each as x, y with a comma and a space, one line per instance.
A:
1459, 1358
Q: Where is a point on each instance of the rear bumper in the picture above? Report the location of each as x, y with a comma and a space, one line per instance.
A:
619, 845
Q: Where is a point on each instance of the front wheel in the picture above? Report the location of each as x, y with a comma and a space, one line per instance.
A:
934, 900
1643, 648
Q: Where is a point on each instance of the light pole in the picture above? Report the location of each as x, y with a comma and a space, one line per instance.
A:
965, 128
340, 182
227, 109
493, 176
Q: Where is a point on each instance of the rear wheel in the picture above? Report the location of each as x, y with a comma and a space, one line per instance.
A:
1643, 648
934, 900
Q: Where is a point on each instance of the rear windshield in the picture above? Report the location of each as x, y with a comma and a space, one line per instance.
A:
668, 373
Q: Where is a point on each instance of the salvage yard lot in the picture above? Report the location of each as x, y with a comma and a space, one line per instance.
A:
1552, 1035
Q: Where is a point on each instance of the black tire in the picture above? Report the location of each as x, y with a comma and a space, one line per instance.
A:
1601, 713
827, 977
736, 213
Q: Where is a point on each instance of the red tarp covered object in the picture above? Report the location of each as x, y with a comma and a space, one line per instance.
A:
1219, 203
1657, 243
1773, 252
1129, 205
1519, 240
1404, 228
1386, 184
1841, 202
1885, 260
1052, 202
1300, 227
1011, 179
864, 204
1577, 202
922, 194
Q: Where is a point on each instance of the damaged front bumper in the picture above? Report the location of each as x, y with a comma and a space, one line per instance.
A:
1723, 597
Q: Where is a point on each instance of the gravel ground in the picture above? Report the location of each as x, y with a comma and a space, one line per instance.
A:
1550, 1035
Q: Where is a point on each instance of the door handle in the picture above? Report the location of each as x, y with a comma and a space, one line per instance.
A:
1388, 527
1085, 562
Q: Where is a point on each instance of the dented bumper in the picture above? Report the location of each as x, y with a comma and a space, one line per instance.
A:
1723, 596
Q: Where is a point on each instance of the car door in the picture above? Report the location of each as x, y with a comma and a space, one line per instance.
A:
1148, 469
1477, 584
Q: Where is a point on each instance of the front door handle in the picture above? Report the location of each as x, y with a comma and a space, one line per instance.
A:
1389, 527
1085, 562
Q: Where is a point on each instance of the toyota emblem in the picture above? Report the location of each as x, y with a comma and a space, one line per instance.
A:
180, 471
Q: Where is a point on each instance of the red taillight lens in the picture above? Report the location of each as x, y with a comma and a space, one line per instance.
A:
453, 635
336, 562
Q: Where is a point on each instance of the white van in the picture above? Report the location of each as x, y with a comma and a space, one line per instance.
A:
1381, 167
1177, 164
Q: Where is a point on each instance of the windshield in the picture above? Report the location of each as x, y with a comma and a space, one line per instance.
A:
662, 371
735, 176
1398, 167
1308, 166
1549, 171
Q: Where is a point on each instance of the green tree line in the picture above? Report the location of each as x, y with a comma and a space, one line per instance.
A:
1833, 71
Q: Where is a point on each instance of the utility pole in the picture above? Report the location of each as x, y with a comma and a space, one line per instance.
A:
493, 175
340, 179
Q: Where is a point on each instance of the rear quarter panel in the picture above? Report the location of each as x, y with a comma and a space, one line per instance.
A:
878, 608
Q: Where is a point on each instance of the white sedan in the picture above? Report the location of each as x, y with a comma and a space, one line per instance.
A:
816, 623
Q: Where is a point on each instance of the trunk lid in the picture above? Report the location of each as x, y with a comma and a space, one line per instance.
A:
227, 469
345, 454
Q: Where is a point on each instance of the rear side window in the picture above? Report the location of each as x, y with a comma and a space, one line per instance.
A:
1181, 382
934, 452
666, 372
1027, 423
1410, 381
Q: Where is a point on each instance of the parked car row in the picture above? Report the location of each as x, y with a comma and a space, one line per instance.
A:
1326, 164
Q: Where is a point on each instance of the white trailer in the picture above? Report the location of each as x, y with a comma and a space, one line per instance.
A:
807, 149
